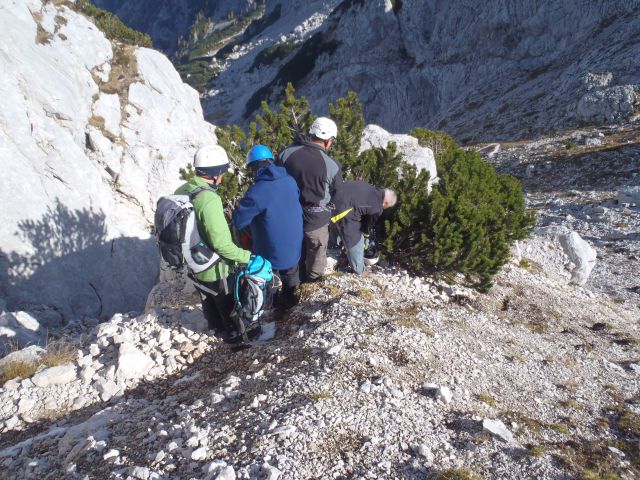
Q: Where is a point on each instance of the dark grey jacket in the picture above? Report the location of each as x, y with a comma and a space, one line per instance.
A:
358, 206
318, 177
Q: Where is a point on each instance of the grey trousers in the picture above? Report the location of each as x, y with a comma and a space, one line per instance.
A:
315, 252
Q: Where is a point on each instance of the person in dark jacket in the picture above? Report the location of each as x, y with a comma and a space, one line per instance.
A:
357, 207
318, 178
272, 211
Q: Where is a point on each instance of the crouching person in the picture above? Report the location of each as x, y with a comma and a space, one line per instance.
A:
358, 206
211, 163
272, 211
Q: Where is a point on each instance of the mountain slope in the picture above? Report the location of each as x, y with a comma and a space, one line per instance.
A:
508, 69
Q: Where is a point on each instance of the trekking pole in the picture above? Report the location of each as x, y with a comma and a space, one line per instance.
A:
244, 344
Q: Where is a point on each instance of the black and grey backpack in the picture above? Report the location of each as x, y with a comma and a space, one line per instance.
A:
178, 236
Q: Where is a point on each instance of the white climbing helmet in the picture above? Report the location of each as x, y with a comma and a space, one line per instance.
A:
324, 128
210, 161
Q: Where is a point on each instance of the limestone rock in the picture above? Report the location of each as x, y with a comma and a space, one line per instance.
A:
30, 354
629, 195
99, 182
19, 328
227, 473
271, 472
132, 362
59, 375
413, 153
607, 105
581, 254
498, 429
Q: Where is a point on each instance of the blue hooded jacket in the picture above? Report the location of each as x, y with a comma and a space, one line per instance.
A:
272, 208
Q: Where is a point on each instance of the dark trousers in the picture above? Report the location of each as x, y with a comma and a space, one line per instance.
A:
217, 308
290, 278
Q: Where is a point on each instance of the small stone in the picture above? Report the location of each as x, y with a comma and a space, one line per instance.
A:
25, 405
227, 473
12, 422
193, 442
497, 429
94, 350
424, 452
12, 385
271, 473
132, 363
113, 453
199, 455
141, 473
334, 350
365, 387
284, 431
444, 394
86, 374
620, 453
107, 389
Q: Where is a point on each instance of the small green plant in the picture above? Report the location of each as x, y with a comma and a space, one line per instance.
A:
408, 317
112, 26
570, 404
537, 451
457, 474
560, 428
364, 294
320, 395
524, 263
486, 398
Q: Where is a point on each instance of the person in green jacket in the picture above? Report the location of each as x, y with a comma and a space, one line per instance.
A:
211, 163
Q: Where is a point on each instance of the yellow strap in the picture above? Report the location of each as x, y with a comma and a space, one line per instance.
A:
340, 216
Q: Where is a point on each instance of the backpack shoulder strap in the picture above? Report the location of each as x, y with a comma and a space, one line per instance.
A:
197, 191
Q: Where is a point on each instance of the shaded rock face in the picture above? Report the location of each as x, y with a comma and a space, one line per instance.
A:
477, 70
85, 155
168, 20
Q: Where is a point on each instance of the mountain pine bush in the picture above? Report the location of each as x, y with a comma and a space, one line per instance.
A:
464, 225
112, 26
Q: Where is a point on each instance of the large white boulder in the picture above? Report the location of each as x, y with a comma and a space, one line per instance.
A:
581, 254
374, 136
608, 105
83, 163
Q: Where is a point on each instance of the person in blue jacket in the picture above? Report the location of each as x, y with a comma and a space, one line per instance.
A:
271, 209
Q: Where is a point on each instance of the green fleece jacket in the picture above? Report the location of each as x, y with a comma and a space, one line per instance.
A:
214, 230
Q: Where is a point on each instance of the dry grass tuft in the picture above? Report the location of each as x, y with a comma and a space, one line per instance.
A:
59, 352
124, 71
18, 369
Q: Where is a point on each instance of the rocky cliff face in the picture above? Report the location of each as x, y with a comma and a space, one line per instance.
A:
90, 135
501, 70
167, 21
